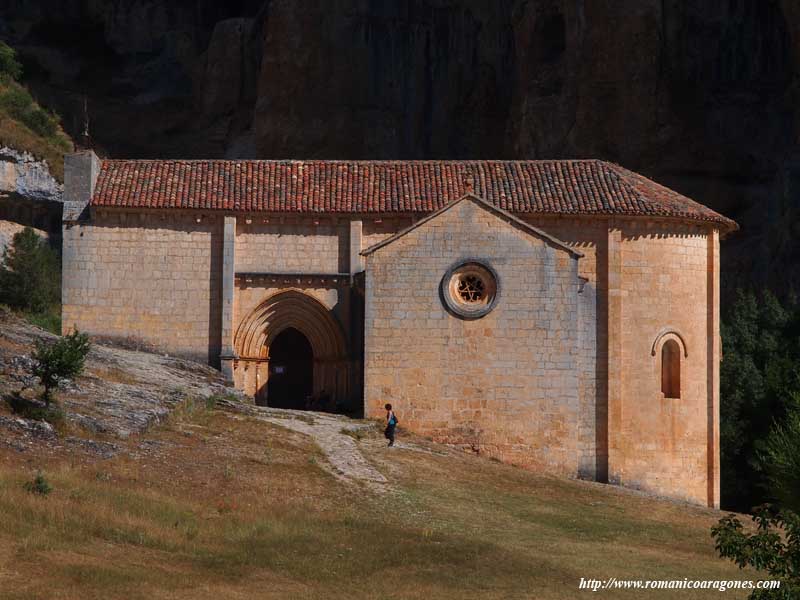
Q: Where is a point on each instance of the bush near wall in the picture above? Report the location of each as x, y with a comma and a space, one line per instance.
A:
30, 279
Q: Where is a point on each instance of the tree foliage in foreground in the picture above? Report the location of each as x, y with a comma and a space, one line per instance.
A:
773, 549
63, 358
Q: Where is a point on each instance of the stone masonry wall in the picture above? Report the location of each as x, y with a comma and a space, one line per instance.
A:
248, 296
148, 278
294, 246
309, 245
588, 236
505, 384
662, 445
662, 442
377, 230
529, 383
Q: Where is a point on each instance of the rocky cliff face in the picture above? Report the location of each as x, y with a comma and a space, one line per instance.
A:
29, 195
24, 175
702, 96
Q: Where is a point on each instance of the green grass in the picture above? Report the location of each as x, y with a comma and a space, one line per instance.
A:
49, 321
239, 510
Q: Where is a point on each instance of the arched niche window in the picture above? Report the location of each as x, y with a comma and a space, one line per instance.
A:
671, 369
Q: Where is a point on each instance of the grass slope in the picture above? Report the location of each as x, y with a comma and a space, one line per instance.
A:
214, 505
26, 127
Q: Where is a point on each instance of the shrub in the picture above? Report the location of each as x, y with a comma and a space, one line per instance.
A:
39, 121
61, 359
16, 101
39, 486
19, 104
765, 550
29, 274
9, 65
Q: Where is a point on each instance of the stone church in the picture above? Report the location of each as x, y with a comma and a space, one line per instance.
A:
560, 315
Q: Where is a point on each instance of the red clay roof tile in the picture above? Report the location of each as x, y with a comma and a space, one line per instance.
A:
588, 187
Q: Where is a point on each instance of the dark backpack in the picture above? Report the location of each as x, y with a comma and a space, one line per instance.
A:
393, 420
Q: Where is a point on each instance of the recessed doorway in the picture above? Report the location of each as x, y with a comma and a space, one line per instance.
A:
291, 370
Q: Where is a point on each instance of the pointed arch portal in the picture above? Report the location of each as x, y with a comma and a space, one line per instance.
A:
292, 353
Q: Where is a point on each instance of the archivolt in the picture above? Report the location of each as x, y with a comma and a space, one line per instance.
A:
671, 332
290, 308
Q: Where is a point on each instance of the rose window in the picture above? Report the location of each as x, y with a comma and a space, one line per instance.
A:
469, 290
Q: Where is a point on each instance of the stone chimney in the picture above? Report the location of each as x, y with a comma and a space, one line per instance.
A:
80, 174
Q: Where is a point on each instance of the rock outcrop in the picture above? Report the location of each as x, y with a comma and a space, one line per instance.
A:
701, 96
29, 196
24, 175
121, 392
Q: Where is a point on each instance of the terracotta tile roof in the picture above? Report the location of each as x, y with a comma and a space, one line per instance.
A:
320, 186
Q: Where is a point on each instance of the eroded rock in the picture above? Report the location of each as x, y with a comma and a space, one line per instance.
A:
121, 392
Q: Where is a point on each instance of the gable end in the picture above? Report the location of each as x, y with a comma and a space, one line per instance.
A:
489, 207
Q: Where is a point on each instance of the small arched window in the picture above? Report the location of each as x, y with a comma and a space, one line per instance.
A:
671, 369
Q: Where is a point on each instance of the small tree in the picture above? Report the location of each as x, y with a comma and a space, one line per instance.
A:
774, 548
58, 360
39, 486
29, 274
9, 65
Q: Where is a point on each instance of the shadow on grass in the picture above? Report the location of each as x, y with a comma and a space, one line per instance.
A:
36, 410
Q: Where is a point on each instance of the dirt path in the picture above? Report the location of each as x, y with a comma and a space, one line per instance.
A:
125, 392
347, 463
327, 431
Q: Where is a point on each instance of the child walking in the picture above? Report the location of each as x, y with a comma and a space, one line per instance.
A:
391, 424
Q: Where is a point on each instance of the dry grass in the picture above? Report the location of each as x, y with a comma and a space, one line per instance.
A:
19, 137
16, 135
112, 374
223, 506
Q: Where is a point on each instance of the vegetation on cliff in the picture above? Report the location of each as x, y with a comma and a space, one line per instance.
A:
24, 125
759, 388
781, 458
